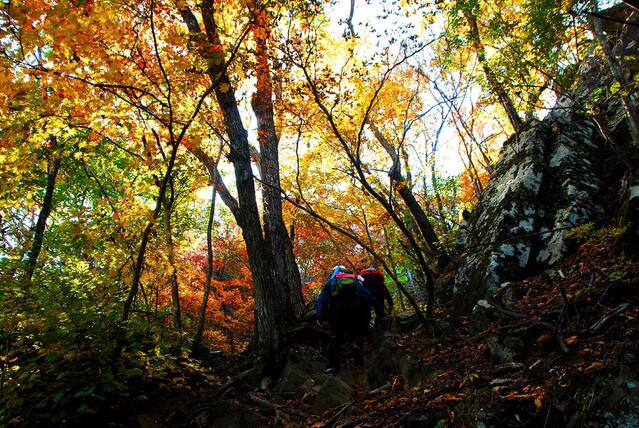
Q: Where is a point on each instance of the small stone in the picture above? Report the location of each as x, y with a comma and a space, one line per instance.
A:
482, 304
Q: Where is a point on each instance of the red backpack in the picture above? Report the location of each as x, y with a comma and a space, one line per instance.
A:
373, 281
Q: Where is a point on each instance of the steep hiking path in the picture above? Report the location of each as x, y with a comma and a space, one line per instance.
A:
557, 349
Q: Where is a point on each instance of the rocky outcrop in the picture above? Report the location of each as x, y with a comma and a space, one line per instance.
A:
546, 182
544, 185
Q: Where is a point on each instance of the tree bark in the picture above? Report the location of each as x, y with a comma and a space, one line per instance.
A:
199, 331
212, 167
139, 261
270, 291
275, 229
628, 241
393, 266
168, 233
438, 197
41, 224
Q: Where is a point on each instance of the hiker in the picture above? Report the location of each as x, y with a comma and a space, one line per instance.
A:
374, 282
345, 304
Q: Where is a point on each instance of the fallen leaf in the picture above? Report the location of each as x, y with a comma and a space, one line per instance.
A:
584, 352
594, 366
545, 338
571, 340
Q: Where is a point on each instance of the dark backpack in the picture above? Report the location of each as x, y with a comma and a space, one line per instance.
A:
344, 286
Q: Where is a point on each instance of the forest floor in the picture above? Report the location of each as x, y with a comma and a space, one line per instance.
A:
557, 349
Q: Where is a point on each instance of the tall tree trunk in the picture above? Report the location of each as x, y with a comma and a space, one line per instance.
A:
495, 86
197, 339
275, 229
168, 232
139, 261
270, 291
41, 224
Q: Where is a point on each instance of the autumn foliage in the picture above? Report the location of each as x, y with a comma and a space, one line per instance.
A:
130, 131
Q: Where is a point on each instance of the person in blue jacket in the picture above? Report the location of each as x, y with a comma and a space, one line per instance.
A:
345, 305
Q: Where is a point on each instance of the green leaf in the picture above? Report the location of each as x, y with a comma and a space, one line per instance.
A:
85, 409
51, 357
614, 88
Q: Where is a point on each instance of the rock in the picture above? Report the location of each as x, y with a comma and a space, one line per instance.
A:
628, 240
482, 306
229, 414
407, 321
516, 207
382, 363
543, 184
548, 180
499, 353
333, 392
307, 332
482, 314
292, 380
300, 374
415, 375
505, 293
355, 377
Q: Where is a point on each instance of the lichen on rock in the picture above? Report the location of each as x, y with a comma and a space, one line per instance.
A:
545, 183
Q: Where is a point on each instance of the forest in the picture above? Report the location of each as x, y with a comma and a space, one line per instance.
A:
178, 180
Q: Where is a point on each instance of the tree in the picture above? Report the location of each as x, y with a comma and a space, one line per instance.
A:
47, 205
521, 49
495, 86
277, 285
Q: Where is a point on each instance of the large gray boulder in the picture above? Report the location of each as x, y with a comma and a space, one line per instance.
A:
544, 184
547, 181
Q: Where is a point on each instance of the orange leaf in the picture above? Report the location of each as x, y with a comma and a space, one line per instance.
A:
571, 340
545, 338
594, 366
